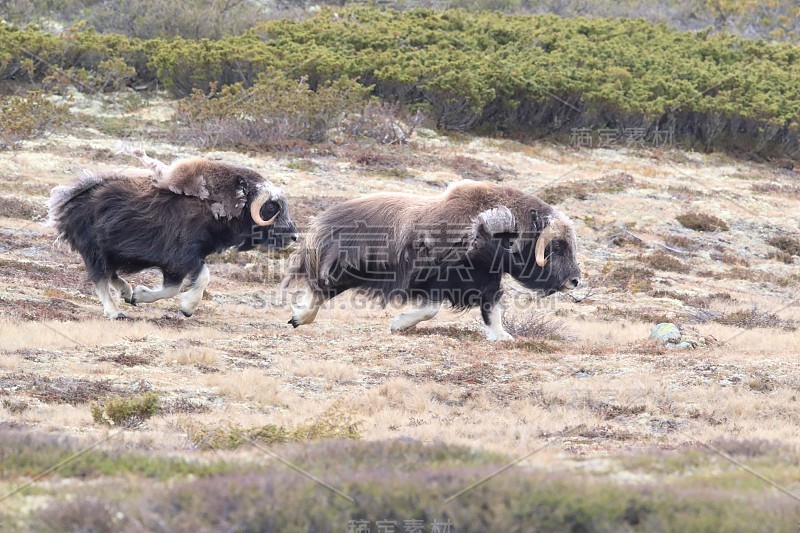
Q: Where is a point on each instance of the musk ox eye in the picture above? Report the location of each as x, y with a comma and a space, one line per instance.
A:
270, 209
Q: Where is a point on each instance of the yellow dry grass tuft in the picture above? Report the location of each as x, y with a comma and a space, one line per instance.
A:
334, 371
250, 385
195, 355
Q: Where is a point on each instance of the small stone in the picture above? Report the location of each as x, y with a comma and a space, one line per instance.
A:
142, 386
694, 341
666, 332
683, 345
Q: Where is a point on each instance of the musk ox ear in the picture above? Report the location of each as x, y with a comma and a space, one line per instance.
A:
498, 223
226, 195
240, 193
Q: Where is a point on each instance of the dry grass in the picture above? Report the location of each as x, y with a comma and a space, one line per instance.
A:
334, 371
57, 335
477, 169
781, 256
14, 207
239, 364
249, 386
777, 188
699, 221
61, 389
536, 326
681, 242
9, 362
628, 278
786, 244
127, 359
730, 258
661, 260
195, 355
756, 318
581, 190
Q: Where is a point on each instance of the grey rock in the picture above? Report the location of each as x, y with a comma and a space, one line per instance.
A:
666, 332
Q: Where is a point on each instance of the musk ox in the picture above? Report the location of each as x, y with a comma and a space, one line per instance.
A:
168, 217
454, 248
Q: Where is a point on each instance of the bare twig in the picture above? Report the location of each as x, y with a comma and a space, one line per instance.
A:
589, 294
648, 242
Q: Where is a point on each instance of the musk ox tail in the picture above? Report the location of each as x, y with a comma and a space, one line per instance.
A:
61, 196
70, 212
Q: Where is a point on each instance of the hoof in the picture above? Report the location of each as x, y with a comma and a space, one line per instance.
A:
184, 313
131, 300
119, 316
395, 327
294, 322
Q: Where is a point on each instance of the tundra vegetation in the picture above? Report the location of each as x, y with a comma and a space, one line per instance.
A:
633, 435
537, 74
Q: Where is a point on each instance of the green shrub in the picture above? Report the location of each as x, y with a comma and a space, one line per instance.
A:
333, 424
272, 111
753, 19
515, 73
27, 117
278, 110
125, 412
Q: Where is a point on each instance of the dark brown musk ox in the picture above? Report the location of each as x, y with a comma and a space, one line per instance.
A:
451, 248
169, 217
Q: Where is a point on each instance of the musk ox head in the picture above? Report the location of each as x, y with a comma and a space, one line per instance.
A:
233, 192
535, 243
272, 227
548, 263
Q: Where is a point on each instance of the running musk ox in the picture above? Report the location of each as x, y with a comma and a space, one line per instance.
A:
169, 217
454, 247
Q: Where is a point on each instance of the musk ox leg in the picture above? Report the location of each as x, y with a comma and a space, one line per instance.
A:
146, 295
191, 298
110, 309
492, 313
123, 287
409, 319
306, 309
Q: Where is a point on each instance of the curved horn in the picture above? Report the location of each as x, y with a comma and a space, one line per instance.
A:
551, 231
255, 209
